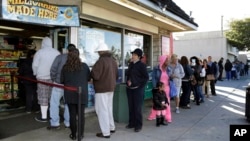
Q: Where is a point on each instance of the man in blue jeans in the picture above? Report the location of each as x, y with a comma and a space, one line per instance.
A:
57, 93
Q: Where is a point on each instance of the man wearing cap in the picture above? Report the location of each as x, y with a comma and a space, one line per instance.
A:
136, 78
57, 93
104, 74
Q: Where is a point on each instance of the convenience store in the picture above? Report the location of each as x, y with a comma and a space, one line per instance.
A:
122, 24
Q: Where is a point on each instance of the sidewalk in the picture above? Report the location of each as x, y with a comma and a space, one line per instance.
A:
208, 122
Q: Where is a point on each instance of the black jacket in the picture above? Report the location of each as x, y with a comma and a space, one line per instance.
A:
137, 73
76, 79
158, 98
25, 70
228, 66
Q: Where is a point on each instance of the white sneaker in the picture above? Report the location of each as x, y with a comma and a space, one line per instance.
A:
177, 111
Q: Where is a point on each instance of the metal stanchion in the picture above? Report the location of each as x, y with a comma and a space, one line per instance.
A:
79, 114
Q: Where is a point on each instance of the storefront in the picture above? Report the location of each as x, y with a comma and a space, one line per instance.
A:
125, 25
122, 24
23, 24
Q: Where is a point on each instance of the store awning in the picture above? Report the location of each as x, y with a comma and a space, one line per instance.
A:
148, 11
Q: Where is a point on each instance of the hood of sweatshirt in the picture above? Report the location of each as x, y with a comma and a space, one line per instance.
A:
162, 59
46, 43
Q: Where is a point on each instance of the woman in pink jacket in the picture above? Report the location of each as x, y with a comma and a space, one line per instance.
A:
160, 73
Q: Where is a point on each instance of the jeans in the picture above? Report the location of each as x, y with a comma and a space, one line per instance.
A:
228, 75
56, 95
201, 93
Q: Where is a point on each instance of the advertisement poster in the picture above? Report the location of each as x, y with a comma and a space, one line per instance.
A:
165, 45
40, 12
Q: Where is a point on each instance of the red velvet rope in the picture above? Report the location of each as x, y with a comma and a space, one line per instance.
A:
47, 83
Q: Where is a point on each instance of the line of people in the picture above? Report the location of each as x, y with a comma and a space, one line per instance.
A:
190, 77
48, 65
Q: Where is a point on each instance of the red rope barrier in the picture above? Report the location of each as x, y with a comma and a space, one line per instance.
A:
50, 84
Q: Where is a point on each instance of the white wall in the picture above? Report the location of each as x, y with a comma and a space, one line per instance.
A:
202, 48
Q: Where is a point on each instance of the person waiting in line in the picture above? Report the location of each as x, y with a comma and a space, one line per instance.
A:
176, 74
195, 86
104, 74
201, 81
213, 70
246, 67
186, 84
221, 68
57, 93
41, 65
160, 103
160, 73
30, 87
228, 68
75, 74
136, 79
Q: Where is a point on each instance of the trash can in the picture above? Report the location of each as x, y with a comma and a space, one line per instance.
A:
120, 101
120, 104
148, 90
247, 108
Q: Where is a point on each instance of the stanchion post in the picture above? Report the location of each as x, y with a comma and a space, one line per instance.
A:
79, 114
12, 73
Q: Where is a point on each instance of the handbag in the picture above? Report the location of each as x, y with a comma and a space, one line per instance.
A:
193, 80
173, 89
210, 77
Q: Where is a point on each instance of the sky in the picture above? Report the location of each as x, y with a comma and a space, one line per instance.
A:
210, 15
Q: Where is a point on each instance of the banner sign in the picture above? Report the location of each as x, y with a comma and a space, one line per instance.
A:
40, 12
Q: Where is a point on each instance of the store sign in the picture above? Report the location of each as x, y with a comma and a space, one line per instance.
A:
165, 45
40, 12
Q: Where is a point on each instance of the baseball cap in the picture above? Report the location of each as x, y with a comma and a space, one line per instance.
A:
137, 52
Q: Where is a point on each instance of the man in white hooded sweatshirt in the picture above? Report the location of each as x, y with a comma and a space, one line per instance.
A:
41, 65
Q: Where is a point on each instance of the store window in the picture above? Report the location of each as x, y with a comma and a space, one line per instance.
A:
91, 34
90, 37
133, 40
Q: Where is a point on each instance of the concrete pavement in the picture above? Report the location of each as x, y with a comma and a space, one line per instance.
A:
208, 122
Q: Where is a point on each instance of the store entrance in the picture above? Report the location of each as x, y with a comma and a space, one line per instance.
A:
60, 38
16, 39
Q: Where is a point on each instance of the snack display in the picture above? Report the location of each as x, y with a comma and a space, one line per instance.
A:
8, 65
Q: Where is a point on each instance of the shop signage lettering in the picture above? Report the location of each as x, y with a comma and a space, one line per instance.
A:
40, 12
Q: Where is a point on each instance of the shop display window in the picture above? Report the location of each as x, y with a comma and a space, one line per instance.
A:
121, 43
90, 38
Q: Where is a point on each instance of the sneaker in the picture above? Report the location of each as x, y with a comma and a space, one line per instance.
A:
151, 118
39, 119
53, 127
177, 111
28, 112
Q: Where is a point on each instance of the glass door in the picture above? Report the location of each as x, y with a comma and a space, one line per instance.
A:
60, 38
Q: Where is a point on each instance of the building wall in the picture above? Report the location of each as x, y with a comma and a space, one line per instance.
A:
204, 44
201, 48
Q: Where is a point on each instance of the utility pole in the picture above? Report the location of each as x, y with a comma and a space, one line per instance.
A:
222, 26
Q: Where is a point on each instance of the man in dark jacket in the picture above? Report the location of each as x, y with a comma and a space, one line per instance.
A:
228, 69
137, 77
221, 68
104, 74
30, 87
213, 70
